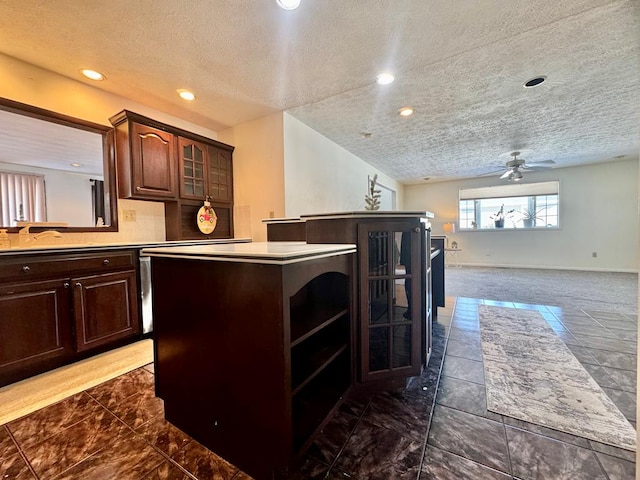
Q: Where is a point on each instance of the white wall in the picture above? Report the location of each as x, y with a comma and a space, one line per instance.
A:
598, 213
320, 176
258, 174
26, 83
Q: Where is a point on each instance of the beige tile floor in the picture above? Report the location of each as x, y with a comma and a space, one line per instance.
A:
22, 398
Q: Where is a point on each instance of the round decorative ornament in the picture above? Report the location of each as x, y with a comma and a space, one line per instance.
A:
207, 218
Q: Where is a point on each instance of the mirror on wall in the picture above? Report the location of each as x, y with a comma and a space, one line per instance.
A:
55, 168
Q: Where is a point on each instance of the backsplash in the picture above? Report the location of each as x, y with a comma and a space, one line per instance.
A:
138, 221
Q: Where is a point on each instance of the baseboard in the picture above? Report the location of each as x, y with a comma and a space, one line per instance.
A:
547, 267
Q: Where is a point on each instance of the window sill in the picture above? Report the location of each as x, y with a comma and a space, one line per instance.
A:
509, 229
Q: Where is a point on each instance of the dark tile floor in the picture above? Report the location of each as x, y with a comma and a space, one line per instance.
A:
467, 441
436, 428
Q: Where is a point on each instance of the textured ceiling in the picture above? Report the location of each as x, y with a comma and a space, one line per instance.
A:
460, 65
29, 141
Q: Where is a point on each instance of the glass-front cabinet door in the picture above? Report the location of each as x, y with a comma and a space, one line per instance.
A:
192, 168
391, 309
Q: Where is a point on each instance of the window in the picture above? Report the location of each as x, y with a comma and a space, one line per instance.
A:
532, 205
22, 198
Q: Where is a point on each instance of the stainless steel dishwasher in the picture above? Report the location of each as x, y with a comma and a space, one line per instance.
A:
145, 294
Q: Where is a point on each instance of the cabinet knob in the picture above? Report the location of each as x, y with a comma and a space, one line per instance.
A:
66, 285
78, 284
106, 261
26, 268
417, 229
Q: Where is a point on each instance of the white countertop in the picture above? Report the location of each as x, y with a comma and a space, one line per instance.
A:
278, 253
282, 220
369, 214
112, 246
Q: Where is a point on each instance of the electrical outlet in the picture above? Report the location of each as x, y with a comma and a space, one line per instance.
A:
594, 254
272, 214
129, 215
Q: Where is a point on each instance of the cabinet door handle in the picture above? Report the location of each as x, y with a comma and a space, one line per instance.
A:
26, 268
106, 261
66, 285
78, 284
138, 188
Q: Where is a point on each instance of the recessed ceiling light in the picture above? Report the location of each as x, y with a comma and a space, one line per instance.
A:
385, 79
75, 164
534, 82
92, 74
288, 4
406, 111
186, 94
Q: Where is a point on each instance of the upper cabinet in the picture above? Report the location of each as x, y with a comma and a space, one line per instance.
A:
145, 159
152, 162
160, 162
205, 170
220, 174
193, 176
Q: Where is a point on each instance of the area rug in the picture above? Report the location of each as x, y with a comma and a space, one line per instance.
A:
530, 374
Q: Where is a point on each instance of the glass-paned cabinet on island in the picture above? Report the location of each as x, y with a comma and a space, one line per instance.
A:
391, 311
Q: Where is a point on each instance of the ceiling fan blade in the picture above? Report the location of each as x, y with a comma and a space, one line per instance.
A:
533, 166
543, 162
506, 174
495, 171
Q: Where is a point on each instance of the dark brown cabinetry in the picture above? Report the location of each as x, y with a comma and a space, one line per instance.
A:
105, 308
437, 272
145, 159
390, 310
393, 287
251, 358
160, 162
59, 308
220, 175
193, 174
35, 326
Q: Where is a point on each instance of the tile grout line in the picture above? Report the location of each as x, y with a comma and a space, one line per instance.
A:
21, 453
435, 396
335, 460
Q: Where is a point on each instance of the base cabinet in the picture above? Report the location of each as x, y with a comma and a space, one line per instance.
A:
105, 308
56, 309
252, 358
35, 327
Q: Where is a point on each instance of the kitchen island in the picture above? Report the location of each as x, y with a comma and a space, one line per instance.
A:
253, 345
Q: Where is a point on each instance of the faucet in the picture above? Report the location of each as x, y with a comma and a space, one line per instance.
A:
24, 236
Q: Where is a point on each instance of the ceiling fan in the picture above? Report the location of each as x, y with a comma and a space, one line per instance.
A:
515, 166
